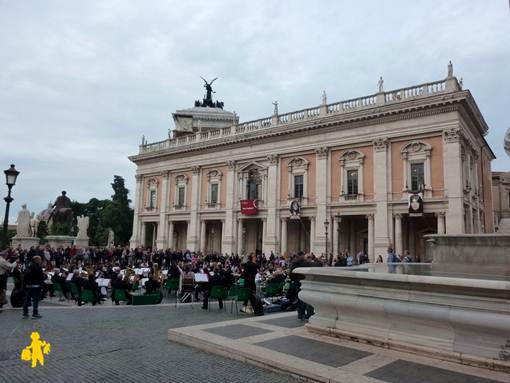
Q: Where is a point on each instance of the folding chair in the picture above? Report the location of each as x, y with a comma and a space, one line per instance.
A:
187, 291
217, 292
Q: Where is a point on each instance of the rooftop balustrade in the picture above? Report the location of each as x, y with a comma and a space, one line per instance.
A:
347, 106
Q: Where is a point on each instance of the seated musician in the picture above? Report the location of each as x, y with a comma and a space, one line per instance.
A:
119, 283
153, 286
91, 284
76, 279
59, 278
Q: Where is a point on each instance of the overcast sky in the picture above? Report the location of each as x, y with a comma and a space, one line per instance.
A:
81, 82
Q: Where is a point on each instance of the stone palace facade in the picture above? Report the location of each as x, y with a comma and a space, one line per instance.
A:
350, 168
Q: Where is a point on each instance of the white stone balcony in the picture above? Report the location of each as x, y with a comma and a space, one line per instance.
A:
244, 129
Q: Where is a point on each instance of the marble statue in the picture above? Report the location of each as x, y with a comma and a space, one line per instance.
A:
23, 222
83, 225
450, 70
111, 238
275, 111
380, 84
34, 222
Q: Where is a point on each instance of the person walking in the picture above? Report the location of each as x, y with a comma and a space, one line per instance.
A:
5, 267
33, 280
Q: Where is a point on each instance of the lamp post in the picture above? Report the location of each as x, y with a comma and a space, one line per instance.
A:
326, 224
10, 180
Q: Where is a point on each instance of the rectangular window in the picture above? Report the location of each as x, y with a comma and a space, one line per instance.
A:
214, 194
417, 176
180, 196
298, 186
352, 182
152, 199
253, 190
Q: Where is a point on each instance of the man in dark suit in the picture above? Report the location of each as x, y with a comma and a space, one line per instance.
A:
249, 272
33, 281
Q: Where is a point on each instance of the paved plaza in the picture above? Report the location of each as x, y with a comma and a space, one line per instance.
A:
118, 344
282, 343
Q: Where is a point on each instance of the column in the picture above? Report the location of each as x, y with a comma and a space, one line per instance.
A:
143, 233
334, 235
398, 234
269, 239
135, 237
440, 222
312, 235
321, 191
240, 237
283, 238
171, 235
352, 239
192, 240
453, 180
228, 243
381, 218
161, 240
202, 236
371, 254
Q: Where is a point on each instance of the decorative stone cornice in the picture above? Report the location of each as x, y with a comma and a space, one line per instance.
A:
138, 177
380, 144
273, 159
322, 152
452, 135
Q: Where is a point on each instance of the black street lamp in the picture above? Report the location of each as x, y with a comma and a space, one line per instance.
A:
326, 224
10, 180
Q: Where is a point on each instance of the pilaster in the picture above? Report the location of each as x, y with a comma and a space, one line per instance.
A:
270, 239
321, 190
228, 226
135, 236
192, 239
161, 240
453, 181
381, 219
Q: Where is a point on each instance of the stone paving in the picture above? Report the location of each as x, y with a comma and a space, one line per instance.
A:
281, 343
118, 344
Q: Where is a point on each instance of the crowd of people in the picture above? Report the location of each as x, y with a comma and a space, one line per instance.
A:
40, 271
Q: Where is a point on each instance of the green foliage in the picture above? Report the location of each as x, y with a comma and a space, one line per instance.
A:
104, 214
60, 229
42, 230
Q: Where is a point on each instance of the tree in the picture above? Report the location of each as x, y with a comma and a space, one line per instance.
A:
42, 230
104, 214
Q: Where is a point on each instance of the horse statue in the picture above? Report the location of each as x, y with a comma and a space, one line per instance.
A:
62, 212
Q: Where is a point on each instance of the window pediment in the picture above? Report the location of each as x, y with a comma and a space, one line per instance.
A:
416, 148
298, 163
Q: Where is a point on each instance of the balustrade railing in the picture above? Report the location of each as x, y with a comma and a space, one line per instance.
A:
346, 106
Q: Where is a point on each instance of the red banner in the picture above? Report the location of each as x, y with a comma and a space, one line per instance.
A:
249, 207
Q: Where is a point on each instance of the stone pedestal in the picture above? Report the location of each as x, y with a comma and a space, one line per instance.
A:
56, 241
81, 243
25, 242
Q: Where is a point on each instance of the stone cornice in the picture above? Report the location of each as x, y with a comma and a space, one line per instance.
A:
405, 110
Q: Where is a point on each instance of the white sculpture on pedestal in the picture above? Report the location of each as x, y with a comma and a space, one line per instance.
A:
23, 221
83, 225
34, 222
111, 238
